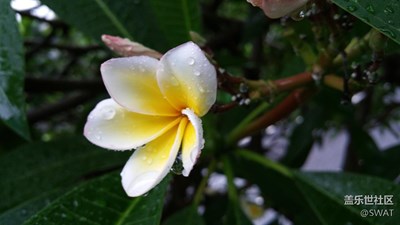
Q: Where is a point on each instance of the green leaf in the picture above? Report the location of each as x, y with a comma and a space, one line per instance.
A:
373, 160
186, 215
21, 213
276, 184
12, 101
383, 15
158, 24
325, 193
302, 140
103, 201
316, 198
44, 167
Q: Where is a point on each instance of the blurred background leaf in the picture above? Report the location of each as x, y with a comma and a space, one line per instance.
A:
156, 23
318, 195
12, 100
46, 167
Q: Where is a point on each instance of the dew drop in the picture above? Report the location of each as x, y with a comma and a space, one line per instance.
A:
177, 167
389, 32
98, 137
144, 158
197, 73
297, 16
388, 10
351, 8
75, 203
149, 161
191, 61
107, 113
370, 9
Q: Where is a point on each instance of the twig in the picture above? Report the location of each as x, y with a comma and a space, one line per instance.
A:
66, 103
282, 110
40, 85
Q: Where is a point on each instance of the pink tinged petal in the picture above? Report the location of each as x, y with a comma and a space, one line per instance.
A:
192, 142
111, 126
188, 79
278, 8
150, 164
132, 83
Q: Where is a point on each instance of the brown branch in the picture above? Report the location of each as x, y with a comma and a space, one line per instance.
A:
282, 110
66, 103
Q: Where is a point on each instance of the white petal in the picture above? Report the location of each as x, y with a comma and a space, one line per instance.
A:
132, 82
192, 142
113, 127
149, 165
187, 79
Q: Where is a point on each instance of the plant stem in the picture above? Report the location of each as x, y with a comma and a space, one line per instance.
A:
260, 88
232, 194
200, 189
283, 109
257, 111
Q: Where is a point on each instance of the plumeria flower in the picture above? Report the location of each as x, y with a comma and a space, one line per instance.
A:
278, 8
155, 108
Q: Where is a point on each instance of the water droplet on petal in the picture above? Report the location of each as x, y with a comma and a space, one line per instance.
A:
191, 61
149, 161
107, 113
193, 156
197, 73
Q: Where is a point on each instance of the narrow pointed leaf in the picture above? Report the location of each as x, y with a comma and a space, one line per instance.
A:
12, 101
103, 201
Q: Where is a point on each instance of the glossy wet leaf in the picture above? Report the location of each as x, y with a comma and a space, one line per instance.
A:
12, 101
44, 167
382, 163
325, 193
383, 15
158, 24
103, 201
21, 213
315, 198
188, 215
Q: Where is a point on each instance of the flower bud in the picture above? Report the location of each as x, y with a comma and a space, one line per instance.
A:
126, 47
278, 8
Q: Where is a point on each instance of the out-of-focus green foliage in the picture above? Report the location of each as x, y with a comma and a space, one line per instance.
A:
12, 101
